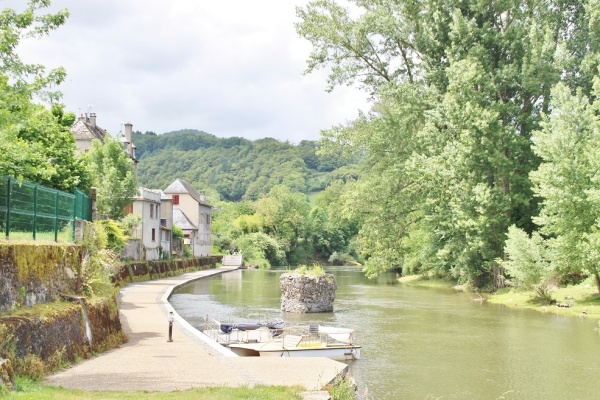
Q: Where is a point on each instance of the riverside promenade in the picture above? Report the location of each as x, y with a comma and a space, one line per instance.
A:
149, 362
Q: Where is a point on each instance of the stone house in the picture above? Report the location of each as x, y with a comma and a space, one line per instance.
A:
85, 130
193, 215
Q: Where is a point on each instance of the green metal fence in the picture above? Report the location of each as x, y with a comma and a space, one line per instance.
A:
31, 211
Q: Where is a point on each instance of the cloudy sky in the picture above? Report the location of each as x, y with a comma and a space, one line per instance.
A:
227, 67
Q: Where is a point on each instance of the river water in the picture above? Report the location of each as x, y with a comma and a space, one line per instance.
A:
422, 343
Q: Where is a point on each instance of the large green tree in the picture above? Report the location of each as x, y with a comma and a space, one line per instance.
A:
568, 182
35, 142
113, 174
459, 88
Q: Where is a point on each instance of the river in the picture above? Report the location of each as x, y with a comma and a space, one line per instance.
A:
423, 343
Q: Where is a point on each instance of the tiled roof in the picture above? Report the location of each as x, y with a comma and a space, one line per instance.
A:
84, 130
163, 196
179, 186
181, 220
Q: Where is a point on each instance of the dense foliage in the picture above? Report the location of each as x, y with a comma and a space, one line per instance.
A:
284, 228
35, 142
113, 174
460, 87
236, 168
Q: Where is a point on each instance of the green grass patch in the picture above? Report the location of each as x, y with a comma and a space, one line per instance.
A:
427, 281
582, 300
27, 389
65, 236
315, 270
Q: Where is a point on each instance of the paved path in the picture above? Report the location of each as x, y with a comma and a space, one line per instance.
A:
149, 362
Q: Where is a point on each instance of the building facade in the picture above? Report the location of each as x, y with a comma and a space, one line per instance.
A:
193, 215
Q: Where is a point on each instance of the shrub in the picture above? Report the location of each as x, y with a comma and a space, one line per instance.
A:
315, 270
527, 260
259, 247
99, 262
177, 232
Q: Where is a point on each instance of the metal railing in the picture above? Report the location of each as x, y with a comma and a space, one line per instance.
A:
32, 211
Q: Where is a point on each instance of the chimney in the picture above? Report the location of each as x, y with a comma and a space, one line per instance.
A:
128, 133
201, 196
93, 119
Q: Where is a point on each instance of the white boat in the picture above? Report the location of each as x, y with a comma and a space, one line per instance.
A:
298, 341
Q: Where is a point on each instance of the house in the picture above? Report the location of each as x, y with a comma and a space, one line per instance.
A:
166, 224
85, 130
193, 215
147, 204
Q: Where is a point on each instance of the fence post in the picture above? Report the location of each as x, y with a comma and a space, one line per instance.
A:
8, 190
34, 209
56, 216
74, 213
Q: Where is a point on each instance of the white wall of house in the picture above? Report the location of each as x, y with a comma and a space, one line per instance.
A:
197, 212
204, 230
188, 205
147, 204
166, 214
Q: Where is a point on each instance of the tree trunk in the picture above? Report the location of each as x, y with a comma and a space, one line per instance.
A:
597, 276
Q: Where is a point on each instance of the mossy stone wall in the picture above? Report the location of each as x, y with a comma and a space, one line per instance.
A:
58, 337
164, 267
37, 273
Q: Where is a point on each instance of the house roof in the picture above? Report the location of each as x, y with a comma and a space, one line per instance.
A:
179, 186
146, 194
83, 129
182, 221
163, 196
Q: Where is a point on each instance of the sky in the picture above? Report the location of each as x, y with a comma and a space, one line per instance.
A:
226, 67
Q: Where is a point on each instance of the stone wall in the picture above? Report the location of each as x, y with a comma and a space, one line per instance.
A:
307, 293
155, 269
59, 336
37, 273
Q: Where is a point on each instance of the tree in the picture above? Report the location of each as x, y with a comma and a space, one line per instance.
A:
113, 175
459, 87
14, 26
284, 216
35, 142
568, 182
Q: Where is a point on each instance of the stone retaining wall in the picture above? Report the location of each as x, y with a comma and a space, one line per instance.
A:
58, 337
37, 273
162, 267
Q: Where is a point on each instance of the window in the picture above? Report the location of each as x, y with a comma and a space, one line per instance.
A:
152, 211
153, 234
175, 199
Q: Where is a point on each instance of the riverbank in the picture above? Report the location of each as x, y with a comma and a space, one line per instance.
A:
149, 362
582, 300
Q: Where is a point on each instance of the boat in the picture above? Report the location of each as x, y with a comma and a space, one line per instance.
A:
228, 328
274, 339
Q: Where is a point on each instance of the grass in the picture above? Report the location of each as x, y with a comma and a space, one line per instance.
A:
315, 270
63, 237
27, 389
426, 281
583, 300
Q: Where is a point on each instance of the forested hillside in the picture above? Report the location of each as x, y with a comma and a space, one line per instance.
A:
235, 167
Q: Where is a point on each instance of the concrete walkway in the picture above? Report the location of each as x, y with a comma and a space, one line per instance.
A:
149, 362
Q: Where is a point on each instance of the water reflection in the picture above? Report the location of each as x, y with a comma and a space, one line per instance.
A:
421, 343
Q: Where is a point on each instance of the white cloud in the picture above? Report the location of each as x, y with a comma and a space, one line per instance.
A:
228, 67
